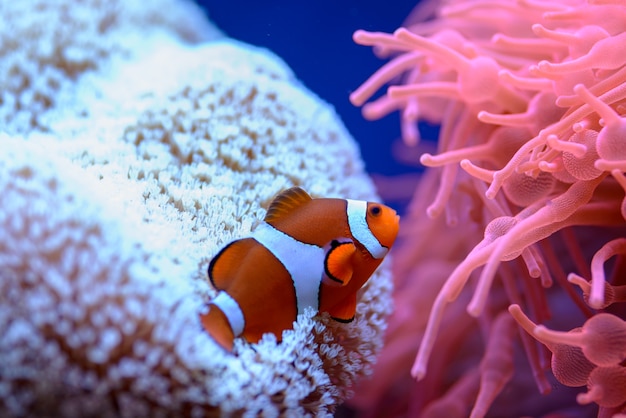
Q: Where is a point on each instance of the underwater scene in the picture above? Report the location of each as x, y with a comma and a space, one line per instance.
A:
349, 209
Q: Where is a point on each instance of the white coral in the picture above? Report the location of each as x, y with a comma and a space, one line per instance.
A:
118, 190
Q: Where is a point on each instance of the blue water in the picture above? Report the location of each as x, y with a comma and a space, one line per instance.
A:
315, 39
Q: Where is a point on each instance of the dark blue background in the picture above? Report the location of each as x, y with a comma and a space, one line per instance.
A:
315, 39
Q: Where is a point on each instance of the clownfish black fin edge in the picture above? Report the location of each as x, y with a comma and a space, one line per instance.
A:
285, 202
343, 321
345, 310
337, 265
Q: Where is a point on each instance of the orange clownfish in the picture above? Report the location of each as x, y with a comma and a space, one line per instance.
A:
306, 252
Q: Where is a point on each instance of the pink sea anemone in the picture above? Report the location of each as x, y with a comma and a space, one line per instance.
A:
526, 186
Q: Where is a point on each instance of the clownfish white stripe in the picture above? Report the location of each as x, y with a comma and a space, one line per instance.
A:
357, 221
304, 262
233, 312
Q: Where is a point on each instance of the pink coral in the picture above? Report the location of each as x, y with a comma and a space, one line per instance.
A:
531, 99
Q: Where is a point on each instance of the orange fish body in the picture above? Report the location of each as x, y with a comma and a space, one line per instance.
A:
306, 252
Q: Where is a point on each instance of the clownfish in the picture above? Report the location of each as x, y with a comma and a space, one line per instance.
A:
305, 253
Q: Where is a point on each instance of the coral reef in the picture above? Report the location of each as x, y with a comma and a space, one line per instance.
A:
137, 142
525, 191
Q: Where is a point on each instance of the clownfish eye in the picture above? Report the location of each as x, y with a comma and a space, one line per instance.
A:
375, 210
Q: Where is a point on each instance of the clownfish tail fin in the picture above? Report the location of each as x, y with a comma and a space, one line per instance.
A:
216, 324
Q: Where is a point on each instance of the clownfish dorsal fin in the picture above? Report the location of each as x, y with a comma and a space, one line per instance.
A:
345, 310
286, 202
223, 267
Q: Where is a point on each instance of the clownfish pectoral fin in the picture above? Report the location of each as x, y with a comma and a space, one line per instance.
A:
285, 202
218, 327
224, 265
345, 310
338, 262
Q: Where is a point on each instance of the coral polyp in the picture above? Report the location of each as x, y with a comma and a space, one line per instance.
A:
528, 175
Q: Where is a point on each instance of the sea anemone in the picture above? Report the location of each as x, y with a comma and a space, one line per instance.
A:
137, 142
527, 184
